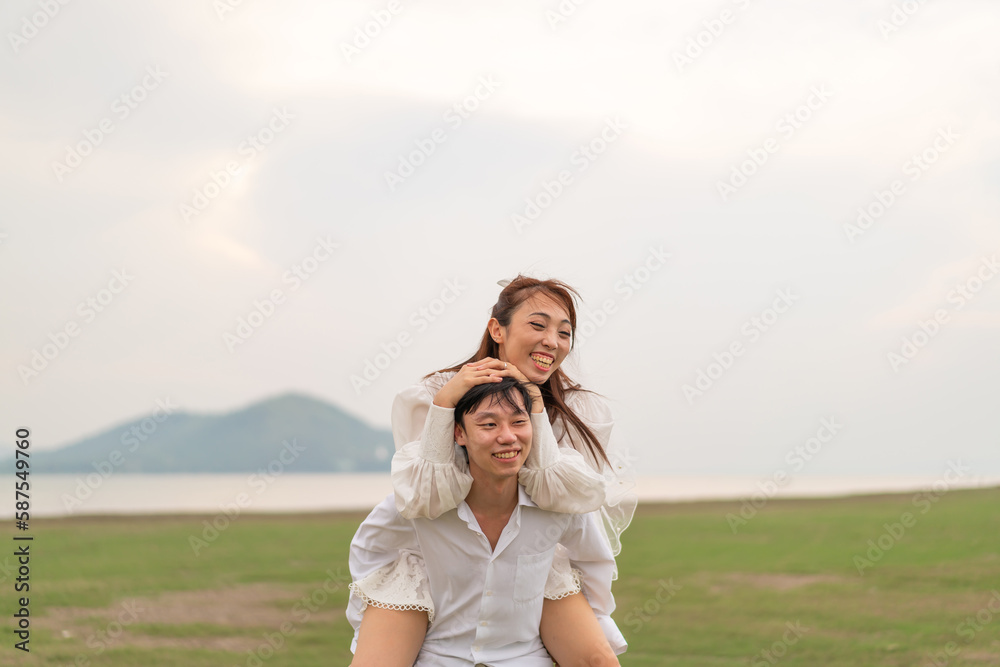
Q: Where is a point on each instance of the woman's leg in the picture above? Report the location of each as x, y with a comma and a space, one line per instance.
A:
390, 637
572, 635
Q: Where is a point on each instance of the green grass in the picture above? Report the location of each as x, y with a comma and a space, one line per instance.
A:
690, 592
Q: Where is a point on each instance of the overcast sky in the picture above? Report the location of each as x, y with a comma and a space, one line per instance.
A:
689, 167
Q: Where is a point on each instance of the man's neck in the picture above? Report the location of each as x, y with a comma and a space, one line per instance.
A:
493, 497
493, 503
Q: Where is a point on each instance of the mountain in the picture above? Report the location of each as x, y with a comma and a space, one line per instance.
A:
292, 432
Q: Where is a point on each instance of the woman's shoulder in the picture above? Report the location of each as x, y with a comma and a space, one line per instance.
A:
589, 406
411, 405
427, 386
435, 381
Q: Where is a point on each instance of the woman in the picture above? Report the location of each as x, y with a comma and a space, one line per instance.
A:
569, 470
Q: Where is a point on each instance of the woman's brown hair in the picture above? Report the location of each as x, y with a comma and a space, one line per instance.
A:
554, 389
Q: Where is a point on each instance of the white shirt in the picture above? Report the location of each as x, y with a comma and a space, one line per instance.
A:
488, 602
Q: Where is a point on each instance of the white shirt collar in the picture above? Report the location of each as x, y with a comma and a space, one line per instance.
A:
523, 498
466, 514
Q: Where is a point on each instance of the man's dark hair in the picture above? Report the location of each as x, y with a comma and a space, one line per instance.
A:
502, 393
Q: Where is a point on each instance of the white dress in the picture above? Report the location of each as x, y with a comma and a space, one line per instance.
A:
430, 476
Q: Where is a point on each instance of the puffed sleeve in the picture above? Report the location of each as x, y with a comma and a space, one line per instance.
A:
620, 498
559, 479
429, 472
410, 407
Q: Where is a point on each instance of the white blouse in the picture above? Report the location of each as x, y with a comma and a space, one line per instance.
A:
430, 475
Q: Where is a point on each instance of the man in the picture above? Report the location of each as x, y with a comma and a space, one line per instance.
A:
488, 559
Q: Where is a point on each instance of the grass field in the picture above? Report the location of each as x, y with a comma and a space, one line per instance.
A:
785, 588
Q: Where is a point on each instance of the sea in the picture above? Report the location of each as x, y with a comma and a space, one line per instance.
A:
132, 494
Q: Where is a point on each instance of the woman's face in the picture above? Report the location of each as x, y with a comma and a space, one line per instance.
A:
537, 339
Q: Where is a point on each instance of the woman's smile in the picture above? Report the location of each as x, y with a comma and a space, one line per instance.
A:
543, 361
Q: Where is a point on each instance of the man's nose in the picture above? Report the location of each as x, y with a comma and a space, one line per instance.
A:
506, 435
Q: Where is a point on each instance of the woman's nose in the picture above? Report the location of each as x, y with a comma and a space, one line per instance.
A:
549, 339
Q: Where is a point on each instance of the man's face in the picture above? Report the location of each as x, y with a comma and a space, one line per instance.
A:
497, 438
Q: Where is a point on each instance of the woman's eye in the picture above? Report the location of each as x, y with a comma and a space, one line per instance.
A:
564, 333
536, 324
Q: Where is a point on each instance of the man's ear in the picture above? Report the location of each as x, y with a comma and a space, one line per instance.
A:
459, 435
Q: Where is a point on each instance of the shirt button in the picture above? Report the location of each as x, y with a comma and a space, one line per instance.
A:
483, 623
489, 593
476, 648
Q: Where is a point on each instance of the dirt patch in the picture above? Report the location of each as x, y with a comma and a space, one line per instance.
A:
775, 582
232, 644
987, 657
247, 606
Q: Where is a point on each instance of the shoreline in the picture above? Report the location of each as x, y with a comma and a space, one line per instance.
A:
653, 507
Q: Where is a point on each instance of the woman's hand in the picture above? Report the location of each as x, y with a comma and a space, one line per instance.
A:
480, 372
510, 370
